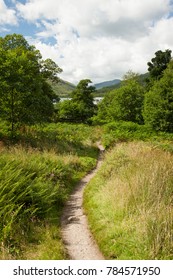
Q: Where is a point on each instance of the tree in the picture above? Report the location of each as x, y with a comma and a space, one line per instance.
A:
158, 103
25, 95
124, 103
50, 70
158, 64
81, 107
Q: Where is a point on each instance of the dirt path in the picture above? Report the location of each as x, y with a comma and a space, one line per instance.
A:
77, 238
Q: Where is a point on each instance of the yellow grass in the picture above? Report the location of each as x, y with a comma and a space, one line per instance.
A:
130, 203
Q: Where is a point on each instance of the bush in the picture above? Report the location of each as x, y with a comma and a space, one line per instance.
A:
123, 104
158, 104
125, 131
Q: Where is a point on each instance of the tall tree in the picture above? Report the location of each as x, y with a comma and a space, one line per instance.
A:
81, 107
25, 95
124, 103
159, 63
158, 104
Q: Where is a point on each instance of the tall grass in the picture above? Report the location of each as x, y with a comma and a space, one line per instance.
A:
130, 203
36, 176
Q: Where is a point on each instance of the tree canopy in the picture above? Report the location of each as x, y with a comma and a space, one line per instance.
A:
81, 107
25, 95
159, 63
158, 105
124, 103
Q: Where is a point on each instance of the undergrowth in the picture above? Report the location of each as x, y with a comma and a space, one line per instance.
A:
121, 131
38, 170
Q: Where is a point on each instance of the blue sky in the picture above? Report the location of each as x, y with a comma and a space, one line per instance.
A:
96, 39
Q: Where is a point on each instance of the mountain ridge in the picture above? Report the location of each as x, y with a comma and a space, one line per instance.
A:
107, 83
64, 88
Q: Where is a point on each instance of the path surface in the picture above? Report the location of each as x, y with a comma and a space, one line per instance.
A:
77, 238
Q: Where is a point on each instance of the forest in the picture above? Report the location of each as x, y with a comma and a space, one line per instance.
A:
47, 146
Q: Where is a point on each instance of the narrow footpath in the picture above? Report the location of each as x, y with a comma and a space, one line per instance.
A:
77, 238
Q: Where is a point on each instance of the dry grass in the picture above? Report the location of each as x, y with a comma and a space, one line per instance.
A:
130, 203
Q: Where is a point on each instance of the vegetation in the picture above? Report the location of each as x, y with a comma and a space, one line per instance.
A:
25, 95
158, 106
103, 91
81, 107
124, 103
129, 203
36, 176
62, 88
158, 64
142, 79
115, 132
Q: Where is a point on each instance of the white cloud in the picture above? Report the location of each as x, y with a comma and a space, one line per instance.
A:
100, 39
7, 16
99, 17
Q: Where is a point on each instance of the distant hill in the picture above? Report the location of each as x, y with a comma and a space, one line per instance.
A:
63, 88
107, 84
143, 78
102, 91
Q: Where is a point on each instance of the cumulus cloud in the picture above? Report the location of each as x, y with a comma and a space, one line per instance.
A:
99, 39
7, 16
99, 17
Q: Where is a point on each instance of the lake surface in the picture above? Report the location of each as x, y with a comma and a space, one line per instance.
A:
96, 99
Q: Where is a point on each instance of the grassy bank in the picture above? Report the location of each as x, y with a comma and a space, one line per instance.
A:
129, 203
121, 131
37, 173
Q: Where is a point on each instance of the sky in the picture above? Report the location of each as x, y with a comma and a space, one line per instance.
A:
99, 40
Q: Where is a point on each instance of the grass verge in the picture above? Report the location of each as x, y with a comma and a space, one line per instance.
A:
129, 203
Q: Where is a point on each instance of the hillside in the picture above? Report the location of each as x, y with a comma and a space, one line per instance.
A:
102, 91
107, 84
63, 88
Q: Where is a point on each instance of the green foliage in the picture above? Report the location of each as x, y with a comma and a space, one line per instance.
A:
158, 105
123, 104
103, 91
103, 113
32, 186
25, 95
159, 63
50, 70
81, 107
36, 178
115, 132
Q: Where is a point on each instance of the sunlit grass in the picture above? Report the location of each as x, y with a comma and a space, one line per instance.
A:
37, 174
129, 203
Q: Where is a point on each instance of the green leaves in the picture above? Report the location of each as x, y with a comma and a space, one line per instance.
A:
158, 64
124, 103
50, 69
25, 95
158, 106
35, 182
81, 107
